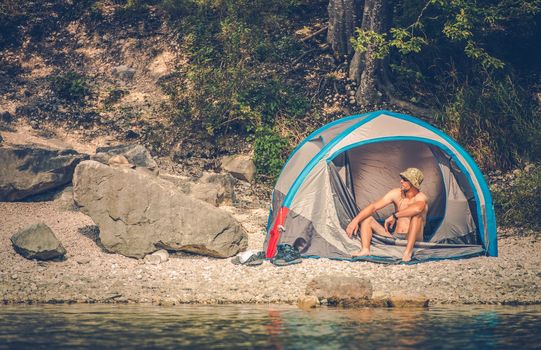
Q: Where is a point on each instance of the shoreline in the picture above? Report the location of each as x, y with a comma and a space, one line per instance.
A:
90, 275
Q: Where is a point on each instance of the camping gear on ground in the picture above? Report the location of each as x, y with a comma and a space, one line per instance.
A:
286, 255
249, 258
349, 163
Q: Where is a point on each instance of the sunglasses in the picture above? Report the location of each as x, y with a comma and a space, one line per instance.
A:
404, 179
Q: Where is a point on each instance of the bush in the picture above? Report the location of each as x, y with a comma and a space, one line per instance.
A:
495, 122
114, 96
519, 203
71, 87
271, 151
235, 48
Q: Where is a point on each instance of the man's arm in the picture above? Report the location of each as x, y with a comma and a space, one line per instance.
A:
411, 210
384, 201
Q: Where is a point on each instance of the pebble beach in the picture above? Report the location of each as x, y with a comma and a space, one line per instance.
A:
91, 275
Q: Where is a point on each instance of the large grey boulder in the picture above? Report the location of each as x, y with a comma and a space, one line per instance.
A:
341, 290
224, 185
216, 189
38, 242
26, 171
135, 154
138, 214
241, 167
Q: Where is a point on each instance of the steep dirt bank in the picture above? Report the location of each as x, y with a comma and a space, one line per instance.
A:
91, 275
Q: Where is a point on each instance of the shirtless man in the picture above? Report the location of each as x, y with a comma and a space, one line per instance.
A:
411, 206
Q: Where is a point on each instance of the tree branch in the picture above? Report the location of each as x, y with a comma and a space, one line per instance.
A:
315, 34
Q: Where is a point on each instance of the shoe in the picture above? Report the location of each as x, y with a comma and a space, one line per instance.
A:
286, 255
256, 259
249, 258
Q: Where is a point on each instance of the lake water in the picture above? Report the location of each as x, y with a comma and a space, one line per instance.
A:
268, 326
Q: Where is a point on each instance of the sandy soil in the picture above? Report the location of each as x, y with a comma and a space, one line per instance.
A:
91, 275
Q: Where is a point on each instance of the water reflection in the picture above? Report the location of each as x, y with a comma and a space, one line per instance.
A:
269, 327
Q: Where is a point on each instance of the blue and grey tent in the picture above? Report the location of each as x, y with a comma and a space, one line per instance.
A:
350, 162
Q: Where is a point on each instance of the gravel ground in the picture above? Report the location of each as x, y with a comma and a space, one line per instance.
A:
91, 275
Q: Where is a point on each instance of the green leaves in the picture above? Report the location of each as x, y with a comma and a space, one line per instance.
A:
70, 86
405, 42
270, 152
480, 55
459, 28
458, 21
370, 40
518, 203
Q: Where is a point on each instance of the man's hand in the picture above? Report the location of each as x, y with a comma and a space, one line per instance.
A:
353, 228
389, 222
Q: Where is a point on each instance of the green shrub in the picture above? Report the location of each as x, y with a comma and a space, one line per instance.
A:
71, 87
270, 153
495, 122
114, 96
519, 204
234, 50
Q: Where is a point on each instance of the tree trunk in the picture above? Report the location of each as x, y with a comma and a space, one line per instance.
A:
344, 16
364, 68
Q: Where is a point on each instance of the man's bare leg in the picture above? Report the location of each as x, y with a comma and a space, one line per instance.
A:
414, 234
368, 226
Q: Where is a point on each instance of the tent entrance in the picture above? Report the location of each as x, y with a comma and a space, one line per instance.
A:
362, 174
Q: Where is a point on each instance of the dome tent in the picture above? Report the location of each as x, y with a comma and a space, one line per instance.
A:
350, 162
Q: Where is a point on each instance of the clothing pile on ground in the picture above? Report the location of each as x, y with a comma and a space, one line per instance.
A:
285, 255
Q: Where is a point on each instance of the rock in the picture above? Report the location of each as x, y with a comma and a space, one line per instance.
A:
158, 257
182, 182
124, 72
308, 302
65, 199
1, 139
135, 154
29, 170
82, 260
215, 189
152, 259
206, 192
401, 301
163, 254
119, 161
137, 213
241, 167
167, 302
225, 185
341, 290
38, 242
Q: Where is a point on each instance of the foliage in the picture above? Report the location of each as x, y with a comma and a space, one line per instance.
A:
460, 21
114, 96
473, 63
519, 203
270, 152
232, 45
11, 17
71, 86
495, 122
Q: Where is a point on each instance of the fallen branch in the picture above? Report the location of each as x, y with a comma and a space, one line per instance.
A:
296, 60
316, 33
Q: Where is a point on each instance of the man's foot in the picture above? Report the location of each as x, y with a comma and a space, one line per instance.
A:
362, 252
406, 257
